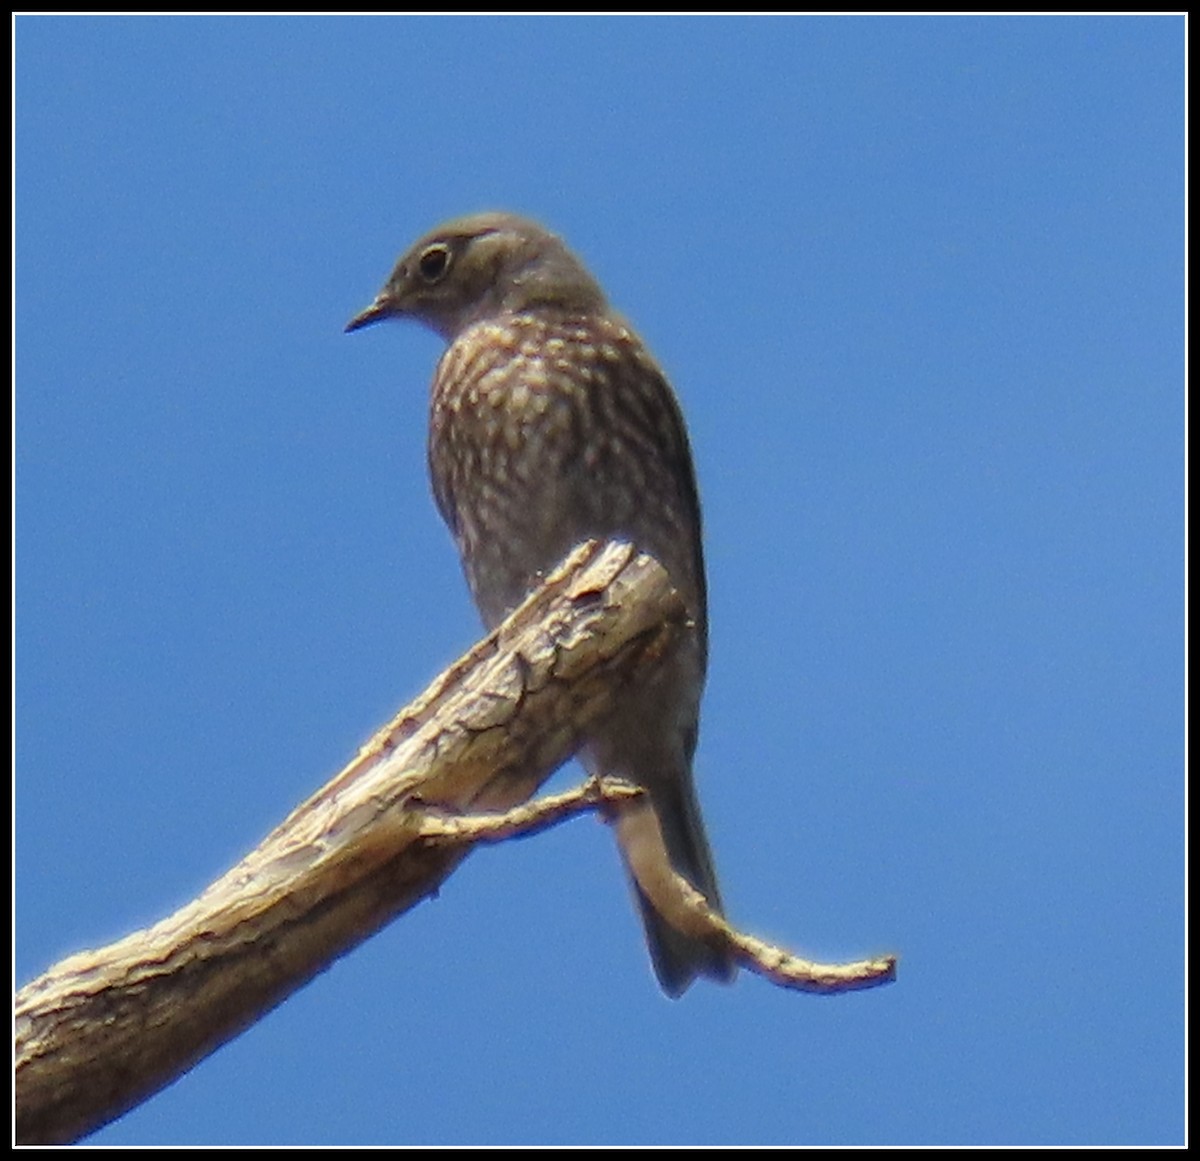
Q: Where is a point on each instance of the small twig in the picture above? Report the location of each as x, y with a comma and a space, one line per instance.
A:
673, 895
528, 819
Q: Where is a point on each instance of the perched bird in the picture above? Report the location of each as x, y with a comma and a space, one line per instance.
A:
550, 424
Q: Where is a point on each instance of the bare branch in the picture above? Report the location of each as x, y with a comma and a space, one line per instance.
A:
105, 1029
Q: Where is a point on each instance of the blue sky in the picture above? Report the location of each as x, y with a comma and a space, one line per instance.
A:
919, 285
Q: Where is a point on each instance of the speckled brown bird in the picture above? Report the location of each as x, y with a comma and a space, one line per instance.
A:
551, 423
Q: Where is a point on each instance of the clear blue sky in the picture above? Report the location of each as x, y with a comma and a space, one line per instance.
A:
919, 285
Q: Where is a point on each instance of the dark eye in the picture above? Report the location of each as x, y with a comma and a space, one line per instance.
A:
434, 262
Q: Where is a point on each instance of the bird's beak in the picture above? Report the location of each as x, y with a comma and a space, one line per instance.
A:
383, 307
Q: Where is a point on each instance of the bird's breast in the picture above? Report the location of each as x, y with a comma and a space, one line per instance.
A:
546, 433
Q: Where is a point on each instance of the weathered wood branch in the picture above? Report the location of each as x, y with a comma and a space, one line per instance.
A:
103, 1030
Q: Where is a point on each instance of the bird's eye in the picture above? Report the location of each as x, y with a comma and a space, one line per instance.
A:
434, 262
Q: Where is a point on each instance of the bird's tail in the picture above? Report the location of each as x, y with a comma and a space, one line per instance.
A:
678, 958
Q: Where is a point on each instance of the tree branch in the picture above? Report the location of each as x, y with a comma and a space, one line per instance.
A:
103, 1030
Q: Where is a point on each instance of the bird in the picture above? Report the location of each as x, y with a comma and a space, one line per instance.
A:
550, 424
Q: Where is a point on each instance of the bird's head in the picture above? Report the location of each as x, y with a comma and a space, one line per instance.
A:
482, 267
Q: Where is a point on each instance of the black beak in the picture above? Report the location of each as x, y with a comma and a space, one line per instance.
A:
380, 309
